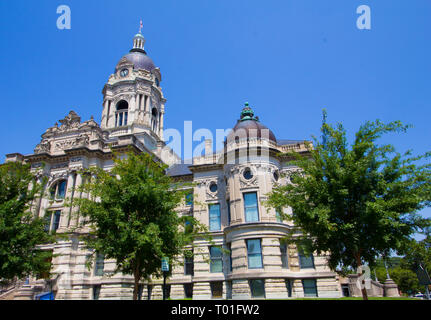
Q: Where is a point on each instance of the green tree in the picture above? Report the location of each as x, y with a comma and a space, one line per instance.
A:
20, 231
355, 202
132, 216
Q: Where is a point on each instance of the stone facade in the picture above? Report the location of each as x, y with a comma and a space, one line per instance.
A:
233, 182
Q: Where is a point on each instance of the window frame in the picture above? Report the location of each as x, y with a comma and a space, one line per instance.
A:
246, 208
250, 254
308, 295
211, 218
51, 225
212, 285
302, 257
99, 264
189, 265
55, 188
216, 258
253, 296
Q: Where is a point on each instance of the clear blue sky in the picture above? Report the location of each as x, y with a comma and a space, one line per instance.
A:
288, 58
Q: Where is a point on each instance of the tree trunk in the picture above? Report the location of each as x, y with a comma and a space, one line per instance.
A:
363, 289
137, 277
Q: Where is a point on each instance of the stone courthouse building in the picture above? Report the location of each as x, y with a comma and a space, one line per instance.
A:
246, 258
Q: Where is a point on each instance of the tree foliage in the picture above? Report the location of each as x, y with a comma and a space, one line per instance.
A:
132, 216
20, 231
356, 202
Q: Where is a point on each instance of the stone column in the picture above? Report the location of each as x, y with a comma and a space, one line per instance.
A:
161, 125
132, 111
201, 291
240, 290
177, 291
65, 213
275, 289
74, 218
104, 113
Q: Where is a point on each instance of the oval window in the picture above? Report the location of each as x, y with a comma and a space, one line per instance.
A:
248, 174
213, 187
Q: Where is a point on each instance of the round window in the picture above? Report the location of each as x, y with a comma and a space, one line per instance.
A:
124, 72
213, 187
248, 174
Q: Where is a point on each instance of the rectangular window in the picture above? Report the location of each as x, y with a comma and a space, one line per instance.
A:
250, 207
120, 122
306, 261
289, 287
140, 291
52, 221
61, 193
99, 264
254, 253
149, 291
217, 289
96, 292
188, 263
189, 198
257, 288
214, 215
56, 220
188, 290
47, 219
284, 256
216, 259
228, 212
310, 288
278, 216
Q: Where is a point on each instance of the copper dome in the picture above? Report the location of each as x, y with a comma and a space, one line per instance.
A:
140, 60
250, 126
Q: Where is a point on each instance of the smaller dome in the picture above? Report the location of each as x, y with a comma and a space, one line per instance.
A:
140, 60
249, 126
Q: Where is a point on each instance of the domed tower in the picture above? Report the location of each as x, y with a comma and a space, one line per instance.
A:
133, 101
252, 166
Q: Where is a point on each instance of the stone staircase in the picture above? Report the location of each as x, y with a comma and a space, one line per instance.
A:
22, 290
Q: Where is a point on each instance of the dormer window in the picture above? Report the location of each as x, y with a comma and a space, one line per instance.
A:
124, 73
157, 82
122, 113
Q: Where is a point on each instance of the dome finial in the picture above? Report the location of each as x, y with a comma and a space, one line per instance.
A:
139, 40
141, 25
247, 113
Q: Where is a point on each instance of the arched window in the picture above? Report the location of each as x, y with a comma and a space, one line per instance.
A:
154, 119
122, 113
58, 190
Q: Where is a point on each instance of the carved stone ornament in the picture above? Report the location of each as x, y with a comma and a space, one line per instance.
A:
70, 122
43, 147
208, 184
81, 140
248, 183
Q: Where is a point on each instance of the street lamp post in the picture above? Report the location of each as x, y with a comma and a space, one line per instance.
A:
165, 269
